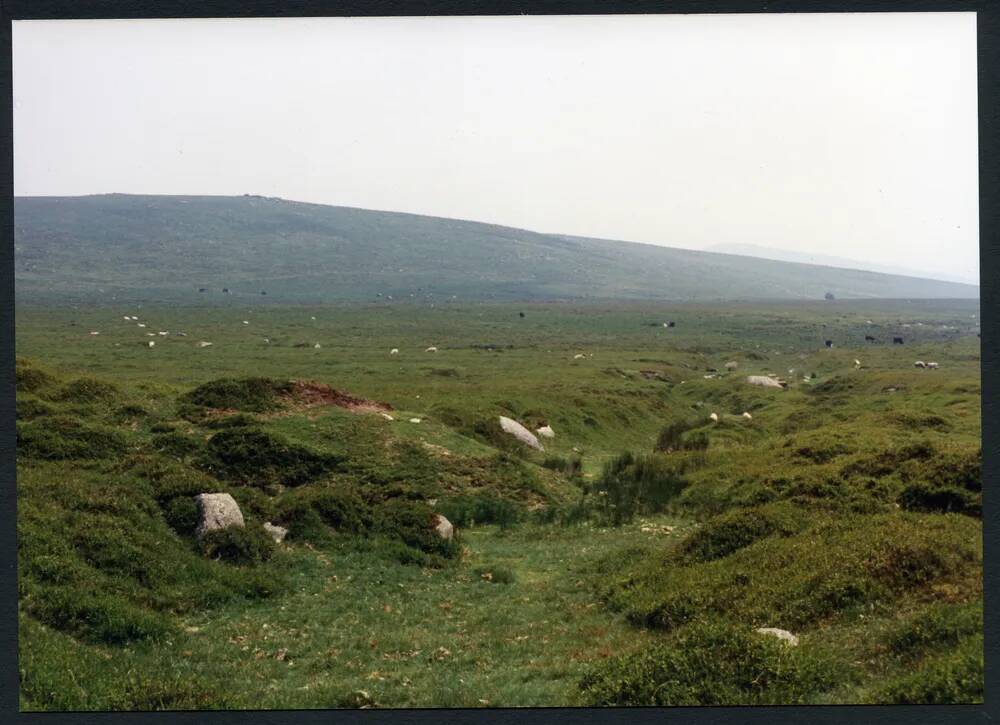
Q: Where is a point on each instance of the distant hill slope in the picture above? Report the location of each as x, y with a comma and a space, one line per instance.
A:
164, 248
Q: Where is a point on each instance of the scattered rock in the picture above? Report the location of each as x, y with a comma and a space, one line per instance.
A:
217, 511
278, 533
520, 432
782, 634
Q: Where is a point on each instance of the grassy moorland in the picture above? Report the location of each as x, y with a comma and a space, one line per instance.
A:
627, 564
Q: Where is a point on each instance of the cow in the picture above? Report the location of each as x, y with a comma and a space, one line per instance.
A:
263, 292
897, 341
869, 338
225, 290
829, 343
203, 289
670, 324
521, 315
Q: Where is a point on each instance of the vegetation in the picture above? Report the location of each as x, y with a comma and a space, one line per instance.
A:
629, 563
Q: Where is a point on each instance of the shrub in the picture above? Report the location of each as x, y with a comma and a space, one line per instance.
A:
182, 514
29, 379
955, 676
936, 626
496, 574
307, 511
175, 444
935, 498
630, 485
734, 530
250, 394
672, 437
239, 420
255, 457
467, 511
713, 664
242, 545
86, 390
411, 523
92, 616
30, 408
63, 437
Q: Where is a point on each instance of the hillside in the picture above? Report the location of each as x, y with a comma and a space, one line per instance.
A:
164, 248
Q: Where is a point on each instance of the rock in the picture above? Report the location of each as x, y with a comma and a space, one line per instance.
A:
443, 527
782, 634
546, 432
217, 511
764, 380
520, 432
278, 533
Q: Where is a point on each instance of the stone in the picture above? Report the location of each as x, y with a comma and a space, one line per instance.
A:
783, 634
443, 527
278, 533
520, 432
217, 511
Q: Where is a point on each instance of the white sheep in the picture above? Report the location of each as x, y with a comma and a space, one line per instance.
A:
152, 343
431, 349
747, 416
394, 351
919, 364
714, 417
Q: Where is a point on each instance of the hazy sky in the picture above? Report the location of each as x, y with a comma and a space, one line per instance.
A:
852, 135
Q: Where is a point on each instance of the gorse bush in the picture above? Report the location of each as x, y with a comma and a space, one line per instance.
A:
631, 485
248, 394
467, 511
713, 664
954, 676
256, 457
935, 627
734, 530
248, 544
675, 437
63, 437
86, 390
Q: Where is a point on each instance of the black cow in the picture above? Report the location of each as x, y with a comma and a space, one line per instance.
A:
225, 290
897, 341
869, 338
520, 314
670, 324
203, 289
829, 343
263, 292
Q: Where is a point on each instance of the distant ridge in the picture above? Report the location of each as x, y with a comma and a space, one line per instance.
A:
165, 248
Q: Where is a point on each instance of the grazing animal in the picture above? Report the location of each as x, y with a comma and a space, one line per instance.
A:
204, 344
897, 341
394, 351
670, 324
747, 416
919, 364
829, 343
225, 290
714, 417
95, 332
246, 322
732, 365
578, 356
202, 289
317, 346
932, 365
431, 349
263, 292
152, 344
869, 338
520, 314
141, 324
857, 363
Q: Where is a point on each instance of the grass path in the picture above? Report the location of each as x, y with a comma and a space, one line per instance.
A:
359, 629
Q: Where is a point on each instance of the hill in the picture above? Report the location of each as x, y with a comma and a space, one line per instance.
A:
164, 248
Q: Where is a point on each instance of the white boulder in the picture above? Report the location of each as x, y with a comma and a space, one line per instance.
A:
278, 533
520, 432
217, 511
783, 634
443, 527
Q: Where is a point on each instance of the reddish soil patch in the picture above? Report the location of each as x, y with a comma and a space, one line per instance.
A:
309, 395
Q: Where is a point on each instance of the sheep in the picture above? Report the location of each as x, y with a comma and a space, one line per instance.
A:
152, 343
829, 343
932, 365
95, 332
387, 416
204, 344
317, 346
747, 416
714, 417
857, 364
141, 324
162, 333
414, 420
578, 356
732, 365
394, 351
246, 322
127, 318
919, 364
431, 349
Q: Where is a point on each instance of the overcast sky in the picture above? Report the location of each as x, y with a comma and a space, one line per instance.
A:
850, 135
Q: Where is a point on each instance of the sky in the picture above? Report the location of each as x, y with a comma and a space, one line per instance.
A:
847, 135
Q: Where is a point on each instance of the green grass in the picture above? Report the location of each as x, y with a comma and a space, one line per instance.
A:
628, 563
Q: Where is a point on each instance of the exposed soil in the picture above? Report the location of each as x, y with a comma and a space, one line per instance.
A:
305, 394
